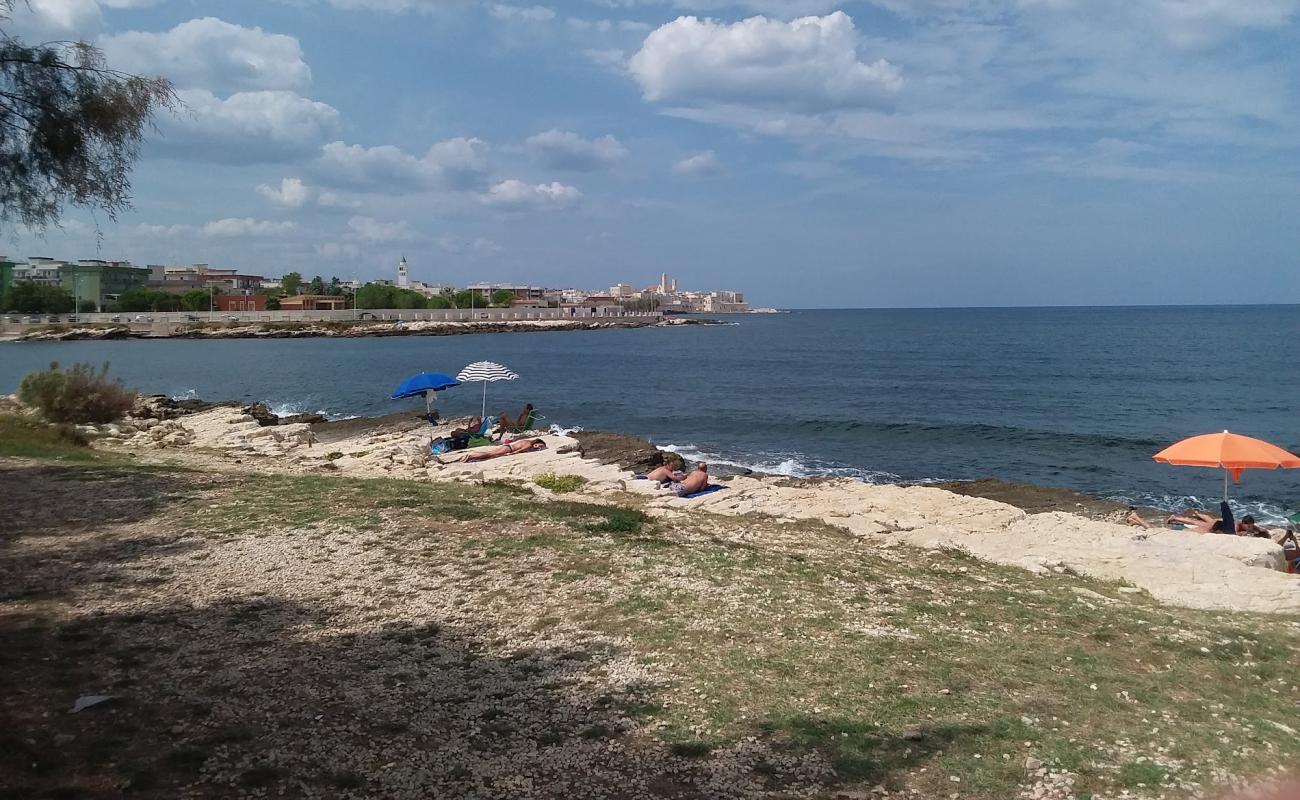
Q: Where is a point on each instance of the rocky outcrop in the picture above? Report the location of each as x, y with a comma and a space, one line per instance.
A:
160, 406
626, 452
1038, 499
69, 333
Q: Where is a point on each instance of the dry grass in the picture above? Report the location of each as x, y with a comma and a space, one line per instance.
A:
389, 638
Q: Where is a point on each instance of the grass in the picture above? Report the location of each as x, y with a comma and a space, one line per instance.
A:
560, 484
23, 437
895, 667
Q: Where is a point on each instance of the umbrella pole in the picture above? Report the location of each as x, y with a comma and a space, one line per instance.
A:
1225, 486
483, 413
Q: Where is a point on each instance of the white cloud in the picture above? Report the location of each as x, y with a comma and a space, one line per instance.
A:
129, 3
517, 195
373, 230
246, 226
509, 13
338, 250
473, 248
705, 163
566, 150
292, 193
810, 64
45, 20
212, 54
245, 128
455, 163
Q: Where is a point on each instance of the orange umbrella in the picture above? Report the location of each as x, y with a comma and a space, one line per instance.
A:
1230, 452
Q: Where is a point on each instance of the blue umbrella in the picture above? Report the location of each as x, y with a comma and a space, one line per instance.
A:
426, 383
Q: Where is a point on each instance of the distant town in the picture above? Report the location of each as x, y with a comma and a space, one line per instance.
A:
47, 286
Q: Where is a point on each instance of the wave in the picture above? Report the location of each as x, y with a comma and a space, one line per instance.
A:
288, 409
796, 465
188, 394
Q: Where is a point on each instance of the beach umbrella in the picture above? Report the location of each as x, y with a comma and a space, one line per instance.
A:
1230, 452
426, 383
487, 372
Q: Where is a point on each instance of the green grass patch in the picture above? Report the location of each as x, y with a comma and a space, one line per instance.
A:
23, 437
560, 484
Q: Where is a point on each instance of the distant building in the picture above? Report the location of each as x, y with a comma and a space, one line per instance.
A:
241, 302
179, 280
44, 271
403, 274
313, 302
101, 282
521, 293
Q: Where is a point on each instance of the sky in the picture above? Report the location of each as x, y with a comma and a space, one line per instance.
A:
808, 153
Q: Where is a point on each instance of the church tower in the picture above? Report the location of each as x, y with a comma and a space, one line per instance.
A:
403, 274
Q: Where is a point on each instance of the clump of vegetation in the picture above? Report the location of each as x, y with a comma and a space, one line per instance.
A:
560, 484
78, 395
24, 437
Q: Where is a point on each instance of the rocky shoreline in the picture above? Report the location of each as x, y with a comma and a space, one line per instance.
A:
1039, 529
304, 330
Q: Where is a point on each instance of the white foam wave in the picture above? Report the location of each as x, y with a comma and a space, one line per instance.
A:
559, 430
288, 409
794, 466
188, 394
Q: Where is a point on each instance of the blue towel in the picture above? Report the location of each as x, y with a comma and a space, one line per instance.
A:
710, 489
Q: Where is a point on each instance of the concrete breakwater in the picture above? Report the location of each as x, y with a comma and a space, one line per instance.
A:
320, 328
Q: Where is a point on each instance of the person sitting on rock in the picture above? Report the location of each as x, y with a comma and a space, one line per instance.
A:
516, 425
697, 481
664, 474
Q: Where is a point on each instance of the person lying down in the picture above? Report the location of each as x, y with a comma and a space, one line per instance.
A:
485, 453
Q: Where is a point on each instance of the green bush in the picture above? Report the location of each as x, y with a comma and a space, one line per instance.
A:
78, 395
560, 484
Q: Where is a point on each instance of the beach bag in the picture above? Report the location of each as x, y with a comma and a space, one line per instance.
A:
440, 446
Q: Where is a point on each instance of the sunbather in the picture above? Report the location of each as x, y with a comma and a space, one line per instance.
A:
665, 474
1247, 527
1135, 519
522, 423
484, 453
697, 481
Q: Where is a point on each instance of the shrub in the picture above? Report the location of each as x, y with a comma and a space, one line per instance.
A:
81, 394
560, 484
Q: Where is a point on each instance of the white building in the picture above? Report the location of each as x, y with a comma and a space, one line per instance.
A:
403, 274
39, 270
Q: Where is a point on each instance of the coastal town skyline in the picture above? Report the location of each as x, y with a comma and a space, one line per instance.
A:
889, 153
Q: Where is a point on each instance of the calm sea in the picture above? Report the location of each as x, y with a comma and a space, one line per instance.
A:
1078, 398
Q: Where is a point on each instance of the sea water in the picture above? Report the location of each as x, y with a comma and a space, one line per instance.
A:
1079, 398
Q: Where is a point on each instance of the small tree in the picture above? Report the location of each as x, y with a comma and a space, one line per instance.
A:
439, 301
197, 300
503, 297
79, 395
70, 128
291, 283
467, 299
317, 286
34, 298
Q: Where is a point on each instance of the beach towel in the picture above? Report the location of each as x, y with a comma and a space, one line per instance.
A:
710, 489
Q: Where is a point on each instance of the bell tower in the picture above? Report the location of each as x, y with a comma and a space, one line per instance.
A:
403, 274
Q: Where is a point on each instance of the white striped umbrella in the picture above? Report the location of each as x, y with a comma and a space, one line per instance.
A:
488, 372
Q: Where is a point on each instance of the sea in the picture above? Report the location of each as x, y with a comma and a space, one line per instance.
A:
1078, 398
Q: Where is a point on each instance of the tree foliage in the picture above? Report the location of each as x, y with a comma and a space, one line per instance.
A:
503, 297
70, 128
26, 297
142, 299
197, 300
316, 286
81, 394
291, 282
381, 295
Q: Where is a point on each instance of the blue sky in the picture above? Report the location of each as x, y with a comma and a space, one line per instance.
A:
809, 153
